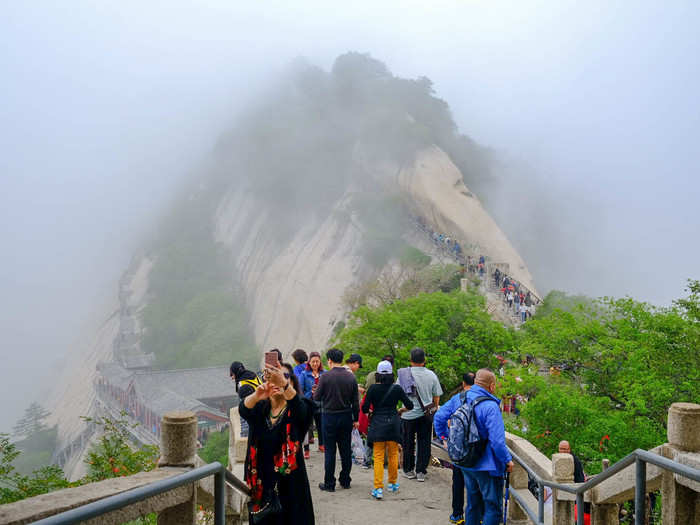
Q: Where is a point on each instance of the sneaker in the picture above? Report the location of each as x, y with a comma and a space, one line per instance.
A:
377, 494
411, 474
325, 487
420, 477
393, 487
366, 466
457, 518
345, 485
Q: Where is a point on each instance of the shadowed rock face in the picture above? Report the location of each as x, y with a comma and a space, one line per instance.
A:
294, 288
294, 282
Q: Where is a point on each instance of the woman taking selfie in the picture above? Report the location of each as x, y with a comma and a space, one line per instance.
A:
385, 426
310, 377
274, 468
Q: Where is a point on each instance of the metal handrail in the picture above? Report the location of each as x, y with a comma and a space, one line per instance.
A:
639, 457
118, 501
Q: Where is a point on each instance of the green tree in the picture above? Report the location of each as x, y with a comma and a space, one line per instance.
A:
15, 486
216, 448
642, 358
33, 420
453, 328
113, 455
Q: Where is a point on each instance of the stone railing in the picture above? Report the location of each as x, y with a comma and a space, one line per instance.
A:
680, 495
177, 506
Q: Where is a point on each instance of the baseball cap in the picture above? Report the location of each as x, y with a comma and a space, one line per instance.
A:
355, 358
384, 367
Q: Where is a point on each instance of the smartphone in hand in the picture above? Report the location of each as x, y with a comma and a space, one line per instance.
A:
271, 360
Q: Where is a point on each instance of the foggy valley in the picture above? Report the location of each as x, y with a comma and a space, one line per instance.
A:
185, 179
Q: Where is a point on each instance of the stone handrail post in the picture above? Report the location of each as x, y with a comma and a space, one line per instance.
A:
518, 480
178, 448
681, 496
562, 502
605, 514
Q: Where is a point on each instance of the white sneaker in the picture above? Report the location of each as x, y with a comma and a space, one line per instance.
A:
420, 477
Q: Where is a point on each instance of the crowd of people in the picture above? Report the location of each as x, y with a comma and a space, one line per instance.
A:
398, 413
515, 295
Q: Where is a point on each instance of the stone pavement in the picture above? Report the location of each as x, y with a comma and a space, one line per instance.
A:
415, 503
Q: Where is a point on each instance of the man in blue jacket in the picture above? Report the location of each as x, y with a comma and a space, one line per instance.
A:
441, 422
484, 481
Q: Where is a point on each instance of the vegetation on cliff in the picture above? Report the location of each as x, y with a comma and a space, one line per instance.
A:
112, 456
195, 315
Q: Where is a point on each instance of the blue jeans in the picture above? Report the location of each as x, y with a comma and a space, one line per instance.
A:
484, 498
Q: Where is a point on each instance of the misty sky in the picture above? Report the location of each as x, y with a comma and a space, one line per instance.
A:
106, 106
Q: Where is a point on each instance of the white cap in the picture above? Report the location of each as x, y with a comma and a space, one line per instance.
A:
384, 367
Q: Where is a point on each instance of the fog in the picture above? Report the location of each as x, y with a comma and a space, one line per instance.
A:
590, 107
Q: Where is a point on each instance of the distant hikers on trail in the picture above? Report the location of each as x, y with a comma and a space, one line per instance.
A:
400, 414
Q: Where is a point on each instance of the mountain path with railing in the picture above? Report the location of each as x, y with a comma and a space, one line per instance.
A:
416, 502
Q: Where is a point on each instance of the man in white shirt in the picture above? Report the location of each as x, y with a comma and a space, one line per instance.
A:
417, 428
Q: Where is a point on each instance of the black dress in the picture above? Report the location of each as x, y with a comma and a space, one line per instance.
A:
262, 465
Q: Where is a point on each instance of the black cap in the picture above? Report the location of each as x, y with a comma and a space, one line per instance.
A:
355, 358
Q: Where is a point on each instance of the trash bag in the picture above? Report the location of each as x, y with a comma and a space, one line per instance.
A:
357, 446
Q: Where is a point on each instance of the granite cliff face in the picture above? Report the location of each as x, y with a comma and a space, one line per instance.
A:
294, 283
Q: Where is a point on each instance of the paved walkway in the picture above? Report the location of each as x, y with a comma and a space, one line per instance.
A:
416, 503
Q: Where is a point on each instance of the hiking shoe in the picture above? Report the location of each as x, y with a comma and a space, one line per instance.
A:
325, 487
377, 494
457, 518
345, 485
411, 474
393, 487
420, 476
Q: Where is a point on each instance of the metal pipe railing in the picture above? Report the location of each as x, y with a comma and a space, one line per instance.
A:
118, 501
639, 457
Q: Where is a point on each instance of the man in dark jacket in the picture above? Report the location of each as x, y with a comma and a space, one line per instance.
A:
340, 407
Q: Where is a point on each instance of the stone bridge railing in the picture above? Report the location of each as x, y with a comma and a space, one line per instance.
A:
680, 496
178, 506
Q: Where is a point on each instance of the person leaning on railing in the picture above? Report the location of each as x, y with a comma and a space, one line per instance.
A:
274, 468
